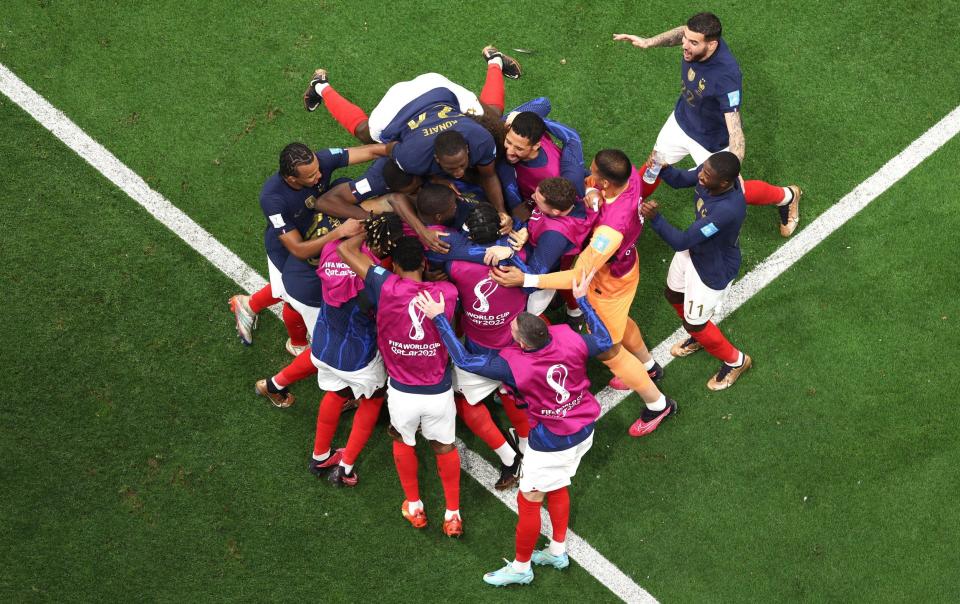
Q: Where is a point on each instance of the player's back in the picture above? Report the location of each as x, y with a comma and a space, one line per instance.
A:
412, 350
414, 152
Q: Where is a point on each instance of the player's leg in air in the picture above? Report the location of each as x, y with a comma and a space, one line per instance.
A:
358, 123
695, 304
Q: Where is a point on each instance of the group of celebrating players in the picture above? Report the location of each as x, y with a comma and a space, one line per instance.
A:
467, 225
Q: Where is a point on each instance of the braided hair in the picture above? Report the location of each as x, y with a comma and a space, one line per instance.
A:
383, 232
483, 224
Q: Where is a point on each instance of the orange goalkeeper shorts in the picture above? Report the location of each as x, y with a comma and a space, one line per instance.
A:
612, 297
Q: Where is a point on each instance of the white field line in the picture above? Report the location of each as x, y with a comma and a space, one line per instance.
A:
232, 266
808, 238
246, 277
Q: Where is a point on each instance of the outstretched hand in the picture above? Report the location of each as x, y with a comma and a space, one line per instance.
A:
580, 289
430, 307
635, 40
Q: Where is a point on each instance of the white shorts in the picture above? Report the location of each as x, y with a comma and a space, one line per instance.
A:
547, 471
674, 144
309, 313
276, 280
401, 93
363, 382
538, 301
700, 302
434, 414
473, 387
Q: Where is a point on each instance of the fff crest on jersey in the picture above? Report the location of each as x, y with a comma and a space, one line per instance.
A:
691, 74
310, 202
699, 205
701, 85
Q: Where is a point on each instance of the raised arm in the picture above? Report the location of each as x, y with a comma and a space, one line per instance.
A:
365, 153
350, 253
671, 37
603, 245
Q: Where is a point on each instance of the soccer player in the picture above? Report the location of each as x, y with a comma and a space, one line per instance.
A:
419, 388
532, 155
485, 316
430, 119
299, 223
706, 118
548, 368
611, 249
344, 351
707, 259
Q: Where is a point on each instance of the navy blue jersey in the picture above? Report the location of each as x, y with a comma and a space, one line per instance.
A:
287, 209
714, 237
371, 183
345, 337
414, 150
709, 89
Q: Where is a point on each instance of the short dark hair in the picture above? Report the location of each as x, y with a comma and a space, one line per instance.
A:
408, 254
614, 165
294, 155
383, 232
450, 143
529, 125
395, 178
435, 199
532, 330
559, 193
726, 165
483, 223
707, 24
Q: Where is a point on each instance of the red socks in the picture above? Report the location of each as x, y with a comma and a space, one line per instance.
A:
346, 113
299, 368
646, 190
492, 93
448, 467
328, 416
477, 417
759, 193
364, 421
518, 417
262, 299
528, 527
712, 340
405, 457
296, 328
558, 505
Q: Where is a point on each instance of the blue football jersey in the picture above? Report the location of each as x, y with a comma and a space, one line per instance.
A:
709, 89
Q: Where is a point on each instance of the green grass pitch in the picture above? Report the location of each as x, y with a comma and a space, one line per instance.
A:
137, 463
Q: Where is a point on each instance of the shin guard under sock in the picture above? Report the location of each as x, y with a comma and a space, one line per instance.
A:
296, 328
364, 421
448, 467
405, 458
299, 368
528, 527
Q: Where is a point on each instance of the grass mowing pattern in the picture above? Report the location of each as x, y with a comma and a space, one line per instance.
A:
200, 110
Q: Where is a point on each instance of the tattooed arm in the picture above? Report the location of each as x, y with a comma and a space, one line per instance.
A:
738, 145
671, 37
